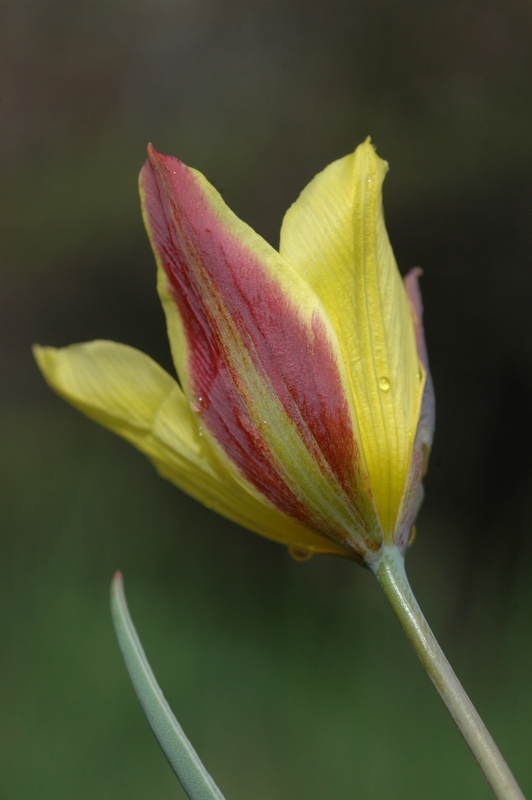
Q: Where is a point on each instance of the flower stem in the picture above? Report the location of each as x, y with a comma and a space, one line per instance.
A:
390, 573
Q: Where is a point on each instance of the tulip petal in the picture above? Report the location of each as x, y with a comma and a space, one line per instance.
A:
257, 358
427, 417
335, 236
127, 392
413, 495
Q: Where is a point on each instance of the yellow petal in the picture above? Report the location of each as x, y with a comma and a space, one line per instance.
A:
116, 385
127, 392
335, 236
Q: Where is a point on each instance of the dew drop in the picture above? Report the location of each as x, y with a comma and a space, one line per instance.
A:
200, 430
299, 553
195, 404
384, 384
369, 181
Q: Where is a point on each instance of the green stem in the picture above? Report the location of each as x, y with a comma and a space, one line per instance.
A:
390, 573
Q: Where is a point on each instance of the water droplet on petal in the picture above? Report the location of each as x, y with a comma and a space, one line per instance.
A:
384, 384
299, 553
369, 181
200, 430
195, 404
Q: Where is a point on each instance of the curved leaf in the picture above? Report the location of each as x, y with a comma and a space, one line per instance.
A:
182, 757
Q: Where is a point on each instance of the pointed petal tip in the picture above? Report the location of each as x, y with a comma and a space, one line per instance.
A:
153, 154
370, 161
161, 168
155, 157
411, 281
44, 357
151, 160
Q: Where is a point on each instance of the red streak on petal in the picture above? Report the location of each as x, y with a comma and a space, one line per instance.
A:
211, 274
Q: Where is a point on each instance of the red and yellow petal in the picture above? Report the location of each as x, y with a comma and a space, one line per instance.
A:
258, 359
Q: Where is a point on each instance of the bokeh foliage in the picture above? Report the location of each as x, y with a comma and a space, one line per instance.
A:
292, 680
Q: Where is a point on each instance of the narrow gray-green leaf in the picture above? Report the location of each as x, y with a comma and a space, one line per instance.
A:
183, 759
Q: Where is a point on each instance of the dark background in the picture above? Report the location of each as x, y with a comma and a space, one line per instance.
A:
292, 680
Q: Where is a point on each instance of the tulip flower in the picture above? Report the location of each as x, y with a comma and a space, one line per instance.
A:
304, 409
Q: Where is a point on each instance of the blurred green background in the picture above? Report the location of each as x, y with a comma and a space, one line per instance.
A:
292, 680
